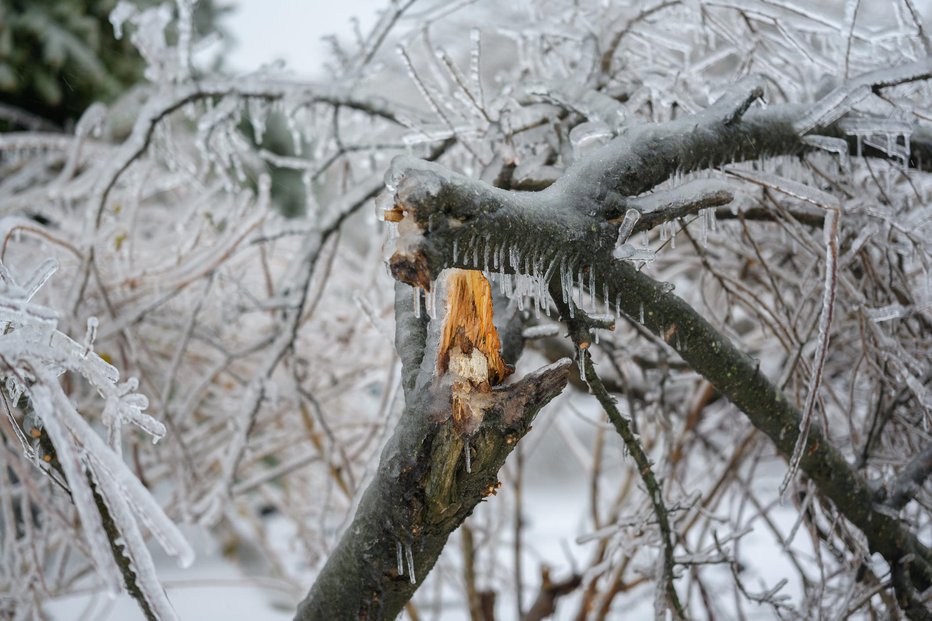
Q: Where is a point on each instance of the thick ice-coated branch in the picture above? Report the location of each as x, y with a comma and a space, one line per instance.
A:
422, 493
580, 211
456, 220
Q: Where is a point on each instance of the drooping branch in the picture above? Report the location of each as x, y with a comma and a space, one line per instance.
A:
645, 470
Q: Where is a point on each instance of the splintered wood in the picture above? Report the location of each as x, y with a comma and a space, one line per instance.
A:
470, 349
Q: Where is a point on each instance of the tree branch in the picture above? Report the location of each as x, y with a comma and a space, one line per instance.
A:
420, 494
910, 480
567, 224
550, 591
645, 470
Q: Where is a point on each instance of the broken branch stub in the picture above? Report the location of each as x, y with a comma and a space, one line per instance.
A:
470, 349
445, 218
420, 494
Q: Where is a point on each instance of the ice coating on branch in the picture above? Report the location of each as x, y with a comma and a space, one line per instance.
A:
630, 252
830, 241
627, 225
786, 186
837, 146
541, 331
887, 313
683, 199
843, 98
72, 464
586, 137
134, 546
831, 107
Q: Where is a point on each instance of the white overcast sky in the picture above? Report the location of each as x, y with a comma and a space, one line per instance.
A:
291, 30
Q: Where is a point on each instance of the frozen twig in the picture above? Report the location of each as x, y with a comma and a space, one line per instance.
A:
683, 200
910, 480
645, 470
732, 106
843, 98
830, 239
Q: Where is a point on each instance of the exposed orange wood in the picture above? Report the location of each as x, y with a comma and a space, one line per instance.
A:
470, 348
469, 323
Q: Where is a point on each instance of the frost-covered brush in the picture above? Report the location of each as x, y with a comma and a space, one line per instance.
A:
113, 506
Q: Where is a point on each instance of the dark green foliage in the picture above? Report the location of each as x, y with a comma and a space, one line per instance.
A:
57, 57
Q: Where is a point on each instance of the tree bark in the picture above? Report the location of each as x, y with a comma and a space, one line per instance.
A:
422, 491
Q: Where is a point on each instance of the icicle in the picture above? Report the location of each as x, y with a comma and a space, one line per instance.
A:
456, 249
475, 252
475, 51
417, 302
704, 227
608, 309
592, 292
564, 285
399, 558
672, 234
485, 254
540, 297
410, 563
641, 313
468, 456
580, 280
627, 225
297, 139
